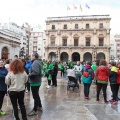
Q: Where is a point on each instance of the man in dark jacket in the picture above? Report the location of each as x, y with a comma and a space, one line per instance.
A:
35, 83
3, 86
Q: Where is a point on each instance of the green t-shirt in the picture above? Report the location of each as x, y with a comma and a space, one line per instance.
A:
103, 82
35, 84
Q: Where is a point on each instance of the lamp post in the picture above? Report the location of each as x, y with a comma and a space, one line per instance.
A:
22, 53
94, 53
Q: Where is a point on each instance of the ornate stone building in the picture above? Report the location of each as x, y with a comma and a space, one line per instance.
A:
9, 44
78, 38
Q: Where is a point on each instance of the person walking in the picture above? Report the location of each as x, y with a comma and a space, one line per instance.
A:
54, 75
16, 80
102, 74
3, 86
113, 82
35, 83
87, 77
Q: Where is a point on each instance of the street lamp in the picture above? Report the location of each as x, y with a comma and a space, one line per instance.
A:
94, 53
22, 53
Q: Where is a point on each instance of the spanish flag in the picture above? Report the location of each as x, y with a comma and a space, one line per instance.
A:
68, 8
74, 6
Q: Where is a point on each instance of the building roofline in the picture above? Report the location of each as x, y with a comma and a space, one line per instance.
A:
80, 16
85, 17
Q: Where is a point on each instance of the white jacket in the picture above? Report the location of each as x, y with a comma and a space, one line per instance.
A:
71, 72
16, 82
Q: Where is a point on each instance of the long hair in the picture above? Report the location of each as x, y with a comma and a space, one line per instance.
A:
16, 66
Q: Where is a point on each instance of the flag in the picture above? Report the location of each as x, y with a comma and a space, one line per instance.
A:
87, 6
68, 8
74, 6
81, 8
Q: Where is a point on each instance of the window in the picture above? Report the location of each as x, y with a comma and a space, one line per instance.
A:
35, 38
87, 41
76, 26
34, 43
65, 26
34, 49
75, 42
101, 41
52, 42
53, 27
101, 25
87, 26
64, 42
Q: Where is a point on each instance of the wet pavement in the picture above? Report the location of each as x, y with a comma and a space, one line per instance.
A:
62, 104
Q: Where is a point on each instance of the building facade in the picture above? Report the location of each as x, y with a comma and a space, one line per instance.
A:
115, 47
9, 45
36, 43
78, 38
18, 31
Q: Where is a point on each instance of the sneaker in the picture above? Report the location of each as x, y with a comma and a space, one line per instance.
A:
114, 102
111, 101
40, 109
32, 113
48, 86
26, 91
87, 98
98, 100
2, 113
106, 102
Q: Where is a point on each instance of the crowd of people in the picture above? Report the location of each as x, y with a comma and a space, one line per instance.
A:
19, 76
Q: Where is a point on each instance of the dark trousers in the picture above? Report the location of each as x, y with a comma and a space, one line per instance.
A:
62, 73
114, 91
36, 97
18, 98
54, 80
2, 94
104, 87
27, 85
86, 89
117, 88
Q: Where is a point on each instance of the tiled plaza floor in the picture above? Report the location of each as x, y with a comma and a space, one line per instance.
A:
60, 104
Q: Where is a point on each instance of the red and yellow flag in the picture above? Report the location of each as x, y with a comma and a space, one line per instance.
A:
74, 6
68, 8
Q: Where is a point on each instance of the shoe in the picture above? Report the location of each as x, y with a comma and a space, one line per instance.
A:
2, 113
87, 98
48, 86
26, 91
98, 100
40, 109
111, 101
114, 102
106, 102
32, 113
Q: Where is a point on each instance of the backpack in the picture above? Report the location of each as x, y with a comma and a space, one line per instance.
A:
85, 73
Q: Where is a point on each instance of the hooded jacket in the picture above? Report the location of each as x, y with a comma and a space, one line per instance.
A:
3, 73
88, 79
118, 76
113, 75
102, 73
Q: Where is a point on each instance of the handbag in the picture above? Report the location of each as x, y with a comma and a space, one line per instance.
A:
50, 77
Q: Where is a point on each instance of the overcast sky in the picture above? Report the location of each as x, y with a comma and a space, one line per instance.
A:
36, 11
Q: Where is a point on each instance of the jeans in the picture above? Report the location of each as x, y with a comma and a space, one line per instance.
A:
104, 87
2, 94
18, 98
114, 91
36, 97
86, 89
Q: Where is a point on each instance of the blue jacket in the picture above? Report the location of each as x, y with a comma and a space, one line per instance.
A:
88, 79
3, 73
28, 65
